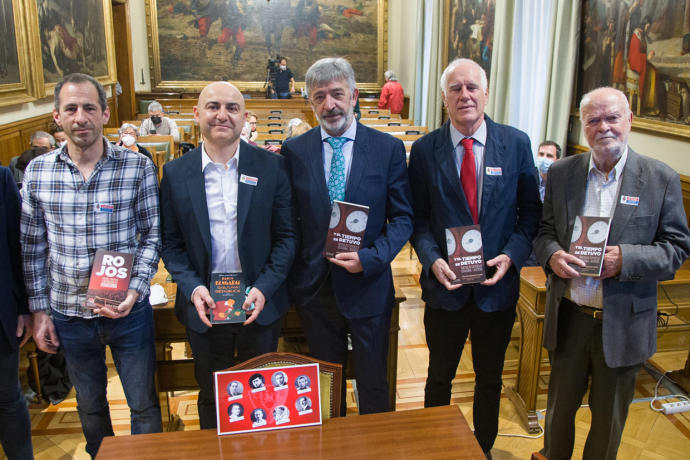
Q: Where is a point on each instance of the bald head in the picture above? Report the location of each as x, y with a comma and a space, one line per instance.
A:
221, 115
606, 119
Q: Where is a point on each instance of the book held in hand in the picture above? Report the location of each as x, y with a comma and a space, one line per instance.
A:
466, 254
109, 282
346, 228
588, 243
228, 291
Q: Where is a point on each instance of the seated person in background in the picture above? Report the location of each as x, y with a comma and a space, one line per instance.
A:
41, 142
251, 119
128, 139
247, 134
392, 95
58, 133
158, 124
295, 127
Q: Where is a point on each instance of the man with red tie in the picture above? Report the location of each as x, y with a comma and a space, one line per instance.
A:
472, 171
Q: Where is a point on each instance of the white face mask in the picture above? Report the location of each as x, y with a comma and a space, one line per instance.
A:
283, 67
128, 140
543, 164
60, 144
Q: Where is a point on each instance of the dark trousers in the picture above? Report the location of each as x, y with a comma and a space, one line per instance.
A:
15, 424
446, 332
214, 350
579, 355
326, 331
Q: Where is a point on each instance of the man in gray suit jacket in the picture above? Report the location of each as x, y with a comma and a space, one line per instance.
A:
605, 327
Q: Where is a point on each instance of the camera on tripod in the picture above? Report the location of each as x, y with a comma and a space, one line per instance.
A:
272, 67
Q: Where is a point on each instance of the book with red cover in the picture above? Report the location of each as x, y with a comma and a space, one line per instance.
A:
228, 291
109, 282
346, 228
466, 254
588, 243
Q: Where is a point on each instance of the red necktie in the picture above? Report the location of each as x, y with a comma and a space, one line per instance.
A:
468, 177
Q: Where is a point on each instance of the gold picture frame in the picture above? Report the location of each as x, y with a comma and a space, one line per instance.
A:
68, 37
213, 36
641, 50
17, 84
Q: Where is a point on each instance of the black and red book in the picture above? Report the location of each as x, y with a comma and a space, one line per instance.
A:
466, 254
588, 243
109, 282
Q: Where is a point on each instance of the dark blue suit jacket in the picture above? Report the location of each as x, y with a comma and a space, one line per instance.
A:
12, 290
265, 222
378, 179
509, 212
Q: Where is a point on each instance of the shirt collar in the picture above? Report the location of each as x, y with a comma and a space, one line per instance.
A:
349, 132
479, 135
616, 171
109, 151
206, 160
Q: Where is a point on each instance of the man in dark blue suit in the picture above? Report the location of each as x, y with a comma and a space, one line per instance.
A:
353, 292
15, 326
226, 207
472, 171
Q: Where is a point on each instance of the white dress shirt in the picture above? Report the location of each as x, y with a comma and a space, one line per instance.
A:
600, 201
221, 183
347, 149
478, 146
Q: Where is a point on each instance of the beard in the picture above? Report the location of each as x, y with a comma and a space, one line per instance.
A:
336, 128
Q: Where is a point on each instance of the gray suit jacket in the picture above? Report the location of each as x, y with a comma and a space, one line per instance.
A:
654, 241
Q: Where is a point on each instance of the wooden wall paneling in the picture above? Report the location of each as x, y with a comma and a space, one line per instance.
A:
15, 137
123, 59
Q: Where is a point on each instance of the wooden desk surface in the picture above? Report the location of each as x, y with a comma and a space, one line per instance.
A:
536, 278
439, 432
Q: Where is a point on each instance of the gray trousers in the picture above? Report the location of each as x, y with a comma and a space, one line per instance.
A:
578, 356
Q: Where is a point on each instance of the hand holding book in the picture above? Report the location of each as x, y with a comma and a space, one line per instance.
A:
121, 310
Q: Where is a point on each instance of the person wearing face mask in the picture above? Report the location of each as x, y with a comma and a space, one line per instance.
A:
547, 153
158, 124
128, 140
285, 81
59, 135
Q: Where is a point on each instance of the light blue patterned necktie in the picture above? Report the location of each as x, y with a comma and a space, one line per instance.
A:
336, 178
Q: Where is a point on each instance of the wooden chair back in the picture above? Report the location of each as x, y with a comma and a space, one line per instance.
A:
330, 376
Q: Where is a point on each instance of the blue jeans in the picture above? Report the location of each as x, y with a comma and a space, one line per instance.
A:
131, 343
15, 425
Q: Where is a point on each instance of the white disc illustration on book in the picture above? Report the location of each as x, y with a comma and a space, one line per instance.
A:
472, 241
577, 230
356, 221
450, 242
335, 216
597, 232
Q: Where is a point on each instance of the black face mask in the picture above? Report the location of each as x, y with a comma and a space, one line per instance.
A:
156, 120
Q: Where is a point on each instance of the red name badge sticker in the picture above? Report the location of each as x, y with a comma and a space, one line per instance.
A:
267, 398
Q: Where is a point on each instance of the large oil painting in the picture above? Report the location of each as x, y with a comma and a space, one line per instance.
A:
196, 41
9, 57
641, 47
16, 81
469, 31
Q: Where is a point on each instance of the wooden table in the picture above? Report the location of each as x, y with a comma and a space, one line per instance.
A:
673, 297
438, 432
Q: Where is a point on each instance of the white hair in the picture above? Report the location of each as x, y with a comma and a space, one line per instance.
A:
390, 75
155, 106
483, 80
587, 99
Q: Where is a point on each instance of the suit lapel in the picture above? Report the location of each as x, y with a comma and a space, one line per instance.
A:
576, 190
493, 156
247, 167
632, 184
359, 149
444, 152
314, 154
197, 198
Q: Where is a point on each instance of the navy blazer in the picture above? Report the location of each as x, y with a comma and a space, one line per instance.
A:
509, 212
265, 223
377, 179
12, 291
